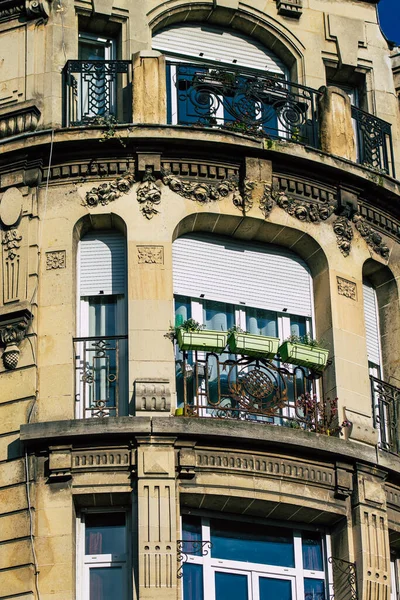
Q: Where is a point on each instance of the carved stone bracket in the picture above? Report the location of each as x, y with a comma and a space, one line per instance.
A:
290, 8
32, 9
37, 9
108, 192
199, 191
13, 328
149, 194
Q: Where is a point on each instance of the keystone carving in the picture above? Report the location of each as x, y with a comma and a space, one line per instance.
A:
200, 191
108, 192
290, 8
244, 200
12, 331
149, 194
344, 234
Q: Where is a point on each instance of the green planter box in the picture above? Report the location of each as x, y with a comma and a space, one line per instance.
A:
312, 357
208, 341
258, 346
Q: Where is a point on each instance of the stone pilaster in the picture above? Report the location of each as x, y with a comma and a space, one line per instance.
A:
156, 518
371, 538
149, 88
336, 129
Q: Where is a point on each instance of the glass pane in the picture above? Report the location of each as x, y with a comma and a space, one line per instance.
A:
106, 583
218, 315
298, 325
312, 551
191, 534
91, 51
193, 582
230, 587
105, 533
249, 542
261, 322
102, 315
275, 588
182, 309
314, 589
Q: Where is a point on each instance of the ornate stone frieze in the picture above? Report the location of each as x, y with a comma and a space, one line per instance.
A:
19, 119
56, 260
84, 170
201, 170
200, 191
153, 395
244, 199
346, 288
312, 212
101, 458
149, 194
290, 8
344, 234
151, 255
105, 193
32, 9
13, 328
373, 238
305, 190
11, 242
10, 9
380, 221
266, 201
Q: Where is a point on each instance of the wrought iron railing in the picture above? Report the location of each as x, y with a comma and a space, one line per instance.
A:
345, 579
374, 141
186, 548
244, 101
386, 410
100, 364
255, 390
97, 90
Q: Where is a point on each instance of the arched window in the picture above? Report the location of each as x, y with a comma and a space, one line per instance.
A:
372, 329
102, 324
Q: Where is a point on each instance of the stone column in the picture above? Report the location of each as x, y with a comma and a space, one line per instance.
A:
371, 540
156, 518
149, 88
335, 126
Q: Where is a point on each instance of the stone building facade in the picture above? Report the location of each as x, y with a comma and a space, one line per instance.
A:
232, 162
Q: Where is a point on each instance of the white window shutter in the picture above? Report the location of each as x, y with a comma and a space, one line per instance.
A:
205, 43
371, 324
242, 273
102, 263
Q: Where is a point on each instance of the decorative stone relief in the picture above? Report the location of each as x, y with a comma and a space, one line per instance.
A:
344, 234
94, 168
37, 8
11, 264
56, 260
372, 238
12, 332
290, 8
108, 192
200, 191
33, 9
346, 288
153, 395
266, 202
312, 212
11, 207
149, 194
244, 200
151, 255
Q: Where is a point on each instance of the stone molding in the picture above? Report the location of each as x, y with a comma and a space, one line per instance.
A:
153, 395
87, 169
64, 461
200, 170
21, 118
13, 328
393, 497
290, 8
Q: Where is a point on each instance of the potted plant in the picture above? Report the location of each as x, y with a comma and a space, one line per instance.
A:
190, 335
304, 351
249, 344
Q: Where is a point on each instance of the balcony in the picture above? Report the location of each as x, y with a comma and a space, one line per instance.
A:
374, 141
386, 410
96, 91
100, 367
254, 390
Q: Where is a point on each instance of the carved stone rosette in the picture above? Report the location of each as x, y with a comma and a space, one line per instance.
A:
148, 194
108, 192
12, 331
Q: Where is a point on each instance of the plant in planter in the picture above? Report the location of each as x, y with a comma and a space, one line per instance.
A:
190, 335
304, 351
257, 346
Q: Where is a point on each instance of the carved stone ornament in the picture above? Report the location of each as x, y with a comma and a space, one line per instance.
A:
150, 255
244, 200
290, 8
266, 201
200, 191
372, 237
11, 242
149, 194
347, 288
33, 9
344, 234
108, 192
311, 212
20, 119
11, 9
37, 8
56, 260
12, 331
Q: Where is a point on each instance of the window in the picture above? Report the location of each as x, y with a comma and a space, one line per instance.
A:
394, 576
102, 343
103, 556
371, 316
253, 561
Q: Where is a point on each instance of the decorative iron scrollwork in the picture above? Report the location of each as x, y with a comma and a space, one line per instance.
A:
345, 579
374, 137
185, 548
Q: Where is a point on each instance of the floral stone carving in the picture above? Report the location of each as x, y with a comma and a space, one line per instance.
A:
12, 332
108, 192
372, 237
149, 194
244, 200
200, 191
344, 234
311, 212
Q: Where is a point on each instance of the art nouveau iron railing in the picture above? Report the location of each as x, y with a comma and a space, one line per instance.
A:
256, 390
386, 410
97, 91
100, 365
374, 141
345, 579
250, 102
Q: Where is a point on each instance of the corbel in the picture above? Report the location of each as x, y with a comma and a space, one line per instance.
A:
60, 463
148, 192
13, 328
186, 460
37, 9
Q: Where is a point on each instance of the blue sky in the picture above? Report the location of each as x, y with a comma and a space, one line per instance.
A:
389, 14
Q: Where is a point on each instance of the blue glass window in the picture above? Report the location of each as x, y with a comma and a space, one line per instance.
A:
248, 542
271, 588
312, 551
229, 586
314, 589
193, 582
105, 533
191, 535
261, 322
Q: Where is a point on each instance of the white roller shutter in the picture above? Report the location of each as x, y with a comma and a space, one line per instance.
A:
214, 44
371, 324
102, 263
256, 275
